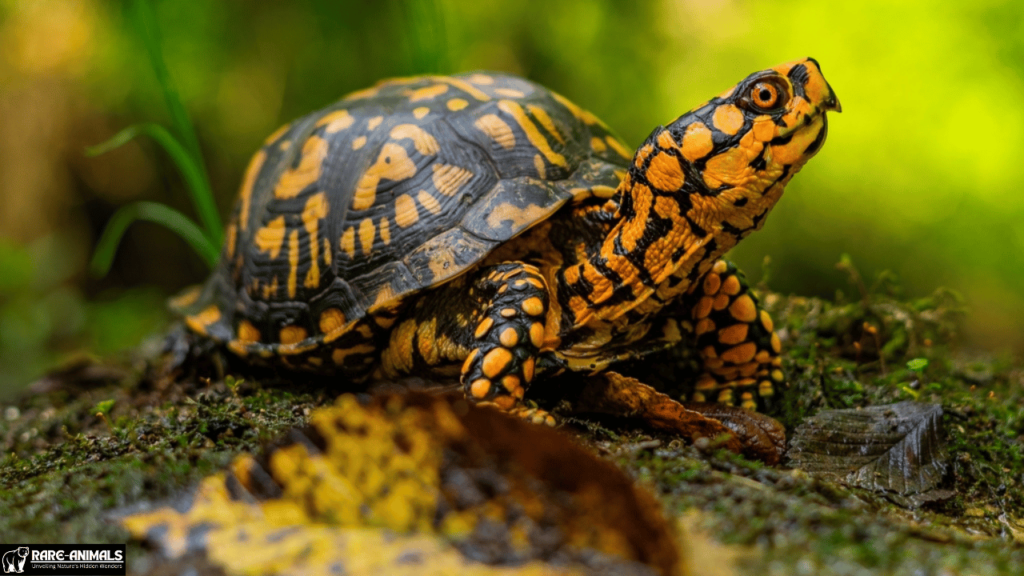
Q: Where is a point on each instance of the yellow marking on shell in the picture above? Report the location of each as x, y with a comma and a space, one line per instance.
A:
186, 298
198, 323
420, 112
496, 361
603, 191
245, 196
364, 93
392, 163
743, 309
545, 120
532, 133
332, 322
766, 321
619, 147
339, 355
448, 178
425, 143
733, 334
583, 115
509, 337
598, 145
728, 118
270, 237
291, 335
427, 92
520, 217
406, 213
704, 326
348, 242
538, 164
533, 306
295, 180
776, 343
276, 134
284, 145
456, 104
740, 354
480, 388
231, 236
270, 290
429, 202
385, 230
497, 129
359, 143
481, 79
509, 93
247, 333
697, 141
293, 262
665, 172
315, 210
327, 252
537, 334
336, 121
483, 328
372, 123
367, 232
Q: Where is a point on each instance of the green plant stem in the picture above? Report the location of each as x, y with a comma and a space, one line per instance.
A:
145, 24
198, 186
152, 212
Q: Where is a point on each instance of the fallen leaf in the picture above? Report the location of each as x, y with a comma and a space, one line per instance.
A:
897, 448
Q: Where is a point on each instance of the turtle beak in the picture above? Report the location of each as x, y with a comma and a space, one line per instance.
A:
831, 104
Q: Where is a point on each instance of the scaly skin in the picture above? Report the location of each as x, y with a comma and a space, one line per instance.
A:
486, 238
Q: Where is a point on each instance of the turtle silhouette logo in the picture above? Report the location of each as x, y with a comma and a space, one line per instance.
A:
14, 560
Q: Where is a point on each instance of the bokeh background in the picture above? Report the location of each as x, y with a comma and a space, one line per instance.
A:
922, 174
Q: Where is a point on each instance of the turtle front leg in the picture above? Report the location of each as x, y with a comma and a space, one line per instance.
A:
736, 341
507, 337
491, 323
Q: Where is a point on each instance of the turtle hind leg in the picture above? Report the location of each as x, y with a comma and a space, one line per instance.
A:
736, 341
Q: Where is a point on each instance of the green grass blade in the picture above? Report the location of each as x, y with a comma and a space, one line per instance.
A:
144, 21
152, 212
198, 186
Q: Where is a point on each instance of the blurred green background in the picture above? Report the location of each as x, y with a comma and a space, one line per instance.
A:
923, 173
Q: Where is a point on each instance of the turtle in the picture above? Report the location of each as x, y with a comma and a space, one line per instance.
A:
484, 228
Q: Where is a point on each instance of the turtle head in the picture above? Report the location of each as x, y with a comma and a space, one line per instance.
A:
740, 149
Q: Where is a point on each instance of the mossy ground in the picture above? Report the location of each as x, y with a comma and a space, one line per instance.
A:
64, 469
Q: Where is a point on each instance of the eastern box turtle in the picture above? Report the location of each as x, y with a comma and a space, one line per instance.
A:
481, 226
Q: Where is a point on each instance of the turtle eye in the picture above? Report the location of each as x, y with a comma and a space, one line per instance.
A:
767, 95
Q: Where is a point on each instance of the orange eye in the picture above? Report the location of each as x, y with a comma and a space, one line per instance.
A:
764, 95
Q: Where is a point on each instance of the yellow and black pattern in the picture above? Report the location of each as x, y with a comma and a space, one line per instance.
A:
477, 225
736, 341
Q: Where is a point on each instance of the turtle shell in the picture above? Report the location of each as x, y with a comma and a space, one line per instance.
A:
391, 191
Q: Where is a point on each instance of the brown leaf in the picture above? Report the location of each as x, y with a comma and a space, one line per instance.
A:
897, 447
